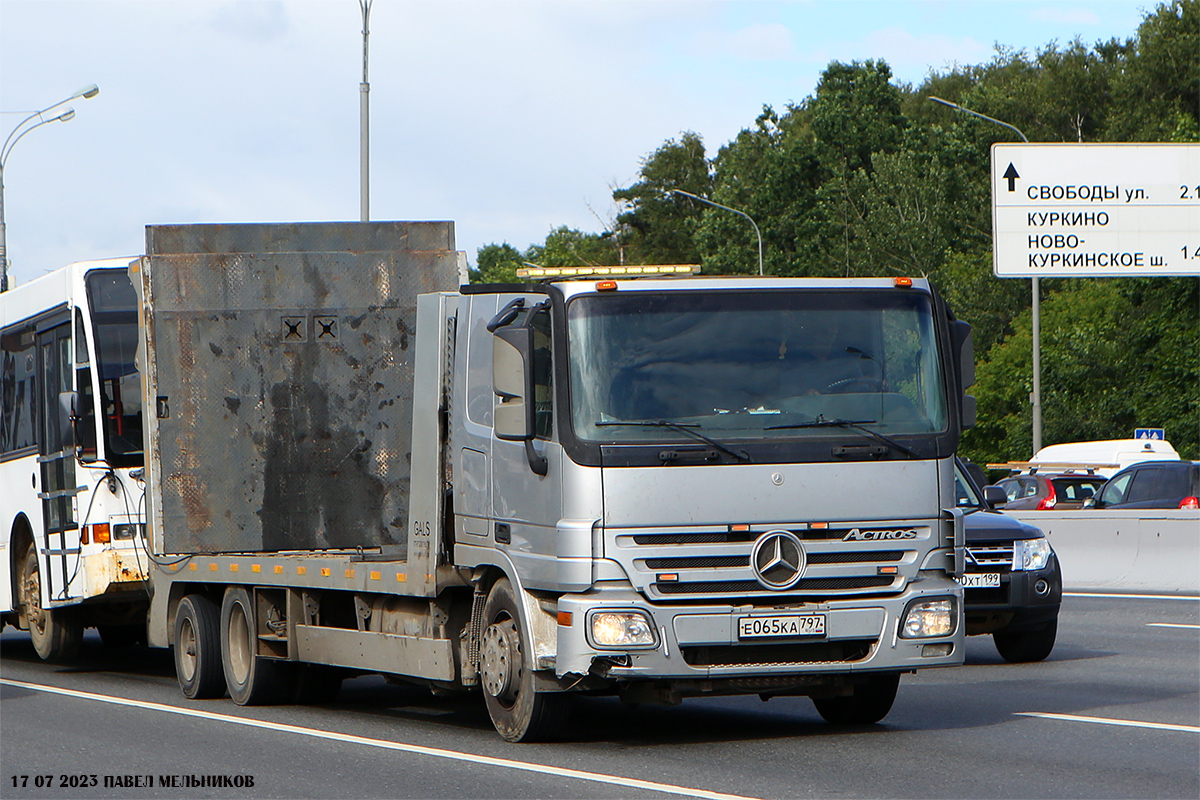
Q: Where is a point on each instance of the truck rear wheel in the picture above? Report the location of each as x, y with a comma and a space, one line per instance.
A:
57, 633
519, 712
870, 702
197, 648
251, 679
1031, 644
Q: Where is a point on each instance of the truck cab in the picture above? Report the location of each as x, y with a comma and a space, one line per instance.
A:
714, 485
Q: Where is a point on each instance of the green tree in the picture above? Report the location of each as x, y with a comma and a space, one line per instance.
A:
497, 263
658, 225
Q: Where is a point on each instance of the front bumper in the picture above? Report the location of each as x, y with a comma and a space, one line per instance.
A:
1017, 603
701, 641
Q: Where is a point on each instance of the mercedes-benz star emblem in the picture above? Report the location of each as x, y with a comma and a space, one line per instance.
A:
778, 560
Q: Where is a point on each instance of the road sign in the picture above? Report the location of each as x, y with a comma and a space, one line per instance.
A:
1149, 433
1087, 210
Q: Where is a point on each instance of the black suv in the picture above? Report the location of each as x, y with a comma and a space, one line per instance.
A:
1012, 588
1153, 484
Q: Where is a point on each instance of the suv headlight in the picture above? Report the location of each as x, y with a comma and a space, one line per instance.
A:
1031, 554
924, 619
622, 629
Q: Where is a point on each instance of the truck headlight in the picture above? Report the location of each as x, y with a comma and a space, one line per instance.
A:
1031, 554
622, 629
924, 619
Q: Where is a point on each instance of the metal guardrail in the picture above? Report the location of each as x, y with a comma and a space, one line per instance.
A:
1124, 551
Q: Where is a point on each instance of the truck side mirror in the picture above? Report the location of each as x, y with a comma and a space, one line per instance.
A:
512, 381
995, 496
68, 416
512, 348
964, 346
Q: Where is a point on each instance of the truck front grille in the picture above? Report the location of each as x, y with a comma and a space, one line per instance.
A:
733, 588
714, 562
778, 655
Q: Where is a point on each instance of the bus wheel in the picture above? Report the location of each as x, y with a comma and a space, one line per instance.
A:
518, 711
252, 680
197, 648
57, 633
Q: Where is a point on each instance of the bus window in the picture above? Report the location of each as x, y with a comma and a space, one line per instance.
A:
17, 400
114, 325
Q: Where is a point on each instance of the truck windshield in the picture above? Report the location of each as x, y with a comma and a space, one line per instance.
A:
742, 366
114, 319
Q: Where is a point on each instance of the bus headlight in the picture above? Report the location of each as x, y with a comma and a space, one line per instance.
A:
622, 629
924, 619
1031, 554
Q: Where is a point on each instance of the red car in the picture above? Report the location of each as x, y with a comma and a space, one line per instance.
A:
1050, 490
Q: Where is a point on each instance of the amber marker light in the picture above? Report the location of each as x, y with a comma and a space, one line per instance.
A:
902, 283
101, 533
606, 286
565, 618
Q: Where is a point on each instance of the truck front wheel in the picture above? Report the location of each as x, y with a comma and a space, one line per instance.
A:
251, 679
198, 648
870, 702
57, 633
519, 712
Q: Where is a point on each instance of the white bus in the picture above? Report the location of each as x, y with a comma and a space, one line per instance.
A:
72, 553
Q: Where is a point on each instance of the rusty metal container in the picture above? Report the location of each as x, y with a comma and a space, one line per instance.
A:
279, 380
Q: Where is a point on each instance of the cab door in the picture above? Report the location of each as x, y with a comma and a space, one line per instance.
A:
527, 506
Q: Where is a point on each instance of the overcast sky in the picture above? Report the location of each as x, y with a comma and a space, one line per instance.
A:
510, 117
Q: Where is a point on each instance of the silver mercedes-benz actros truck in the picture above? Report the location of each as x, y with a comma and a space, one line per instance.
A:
623, 480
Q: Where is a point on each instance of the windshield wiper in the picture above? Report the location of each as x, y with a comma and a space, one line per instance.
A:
740, 455
853, 424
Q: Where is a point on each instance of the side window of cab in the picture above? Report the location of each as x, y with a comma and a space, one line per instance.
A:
543, 374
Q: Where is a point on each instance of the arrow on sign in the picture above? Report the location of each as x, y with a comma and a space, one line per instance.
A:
1011, 175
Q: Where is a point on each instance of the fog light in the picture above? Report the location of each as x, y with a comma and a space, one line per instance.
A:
622, 629
928, 618
939, 650
1041, 587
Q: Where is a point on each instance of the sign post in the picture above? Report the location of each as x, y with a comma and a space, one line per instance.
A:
1091, 210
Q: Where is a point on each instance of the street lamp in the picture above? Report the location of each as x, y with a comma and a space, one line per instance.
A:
1036, 397
364, 142
24, 127
735, 211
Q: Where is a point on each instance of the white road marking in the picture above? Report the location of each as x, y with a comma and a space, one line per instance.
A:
1129, 723
1172, 625
1134, 596
614, 780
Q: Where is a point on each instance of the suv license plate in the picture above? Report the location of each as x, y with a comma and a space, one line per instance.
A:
790, 625
980, 580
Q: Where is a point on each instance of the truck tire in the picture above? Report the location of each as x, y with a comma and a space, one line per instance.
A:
1031, 644
57, 633
870, 702
519, 712
251, 679
197, 648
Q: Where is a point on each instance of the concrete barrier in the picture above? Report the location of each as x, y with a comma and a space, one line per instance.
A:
1124, 551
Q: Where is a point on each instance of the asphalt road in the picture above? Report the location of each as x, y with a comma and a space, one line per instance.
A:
1114, 712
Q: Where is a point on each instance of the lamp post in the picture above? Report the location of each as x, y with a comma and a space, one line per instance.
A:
364, 141
1036, 397
24, 127
735, 211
